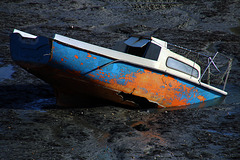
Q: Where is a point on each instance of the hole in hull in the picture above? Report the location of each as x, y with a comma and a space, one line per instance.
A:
141, 102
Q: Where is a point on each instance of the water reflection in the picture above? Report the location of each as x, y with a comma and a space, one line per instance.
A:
222, 133
39, 104
233, 96
1, 61
6, 72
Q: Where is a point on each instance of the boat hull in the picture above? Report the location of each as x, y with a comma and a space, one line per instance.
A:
78, 74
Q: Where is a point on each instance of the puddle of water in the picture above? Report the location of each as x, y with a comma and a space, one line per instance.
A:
6, 72
1, 61
233, 96
236, 30
105, 154
39, 104
222, 133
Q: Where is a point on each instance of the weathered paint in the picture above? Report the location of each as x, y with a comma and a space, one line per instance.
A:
157, 87
74, 72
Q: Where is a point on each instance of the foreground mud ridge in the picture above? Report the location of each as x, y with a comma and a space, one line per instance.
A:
33, 127
110, 132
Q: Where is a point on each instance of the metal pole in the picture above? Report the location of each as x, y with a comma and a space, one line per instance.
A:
209, 72
228, 72
208, 66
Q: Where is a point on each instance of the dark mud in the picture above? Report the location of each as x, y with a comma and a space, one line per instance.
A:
32, 127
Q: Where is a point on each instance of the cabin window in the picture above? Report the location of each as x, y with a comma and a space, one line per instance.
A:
153, 52
182, 67
120, 46
137, 51
139, 47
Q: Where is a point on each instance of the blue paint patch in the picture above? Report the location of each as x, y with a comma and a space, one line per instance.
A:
145, 90
79, 59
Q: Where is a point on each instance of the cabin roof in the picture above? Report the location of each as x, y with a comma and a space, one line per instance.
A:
136, 42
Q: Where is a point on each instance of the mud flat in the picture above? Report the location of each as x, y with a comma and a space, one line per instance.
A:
33, 127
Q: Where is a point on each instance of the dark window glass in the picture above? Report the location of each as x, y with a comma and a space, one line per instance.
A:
120, 46
153, 52
137, 51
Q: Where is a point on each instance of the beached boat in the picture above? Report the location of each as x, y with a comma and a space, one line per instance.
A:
141, 72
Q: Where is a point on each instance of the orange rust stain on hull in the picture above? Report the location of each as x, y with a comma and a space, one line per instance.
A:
201, 98
165, 90
89, 55
76, 56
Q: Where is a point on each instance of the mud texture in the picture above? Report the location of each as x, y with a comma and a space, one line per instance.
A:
33, 127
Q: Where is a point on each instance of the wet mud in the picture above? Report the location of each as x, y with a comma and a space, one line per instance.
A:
33, 127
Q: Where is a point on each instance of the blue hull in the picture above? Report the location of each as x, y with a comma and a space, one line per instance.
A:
76, 74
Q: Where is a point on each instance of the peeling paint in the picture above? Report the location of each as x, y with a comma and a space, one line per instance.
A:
130, 80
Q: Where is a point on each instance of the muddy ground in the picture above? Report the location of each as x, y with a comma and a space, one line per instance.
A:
33, 127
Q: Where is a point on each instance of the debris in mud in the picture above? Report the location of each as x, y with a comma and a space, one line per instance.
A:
141, 127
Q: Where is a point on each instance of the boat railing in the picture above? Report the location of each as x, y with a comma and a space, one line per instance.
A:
215, 67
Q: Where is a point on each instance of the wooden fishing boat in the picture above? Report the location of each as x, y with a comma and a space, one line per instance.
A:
141, 72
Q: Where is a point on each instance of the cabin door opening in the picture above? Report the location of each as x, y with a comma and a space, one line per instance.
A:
137, 51
136, 46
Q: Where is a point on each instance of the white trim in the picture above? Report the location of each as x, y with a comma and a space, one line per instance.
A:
108, 52
24, 34
159, 42
213, 88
